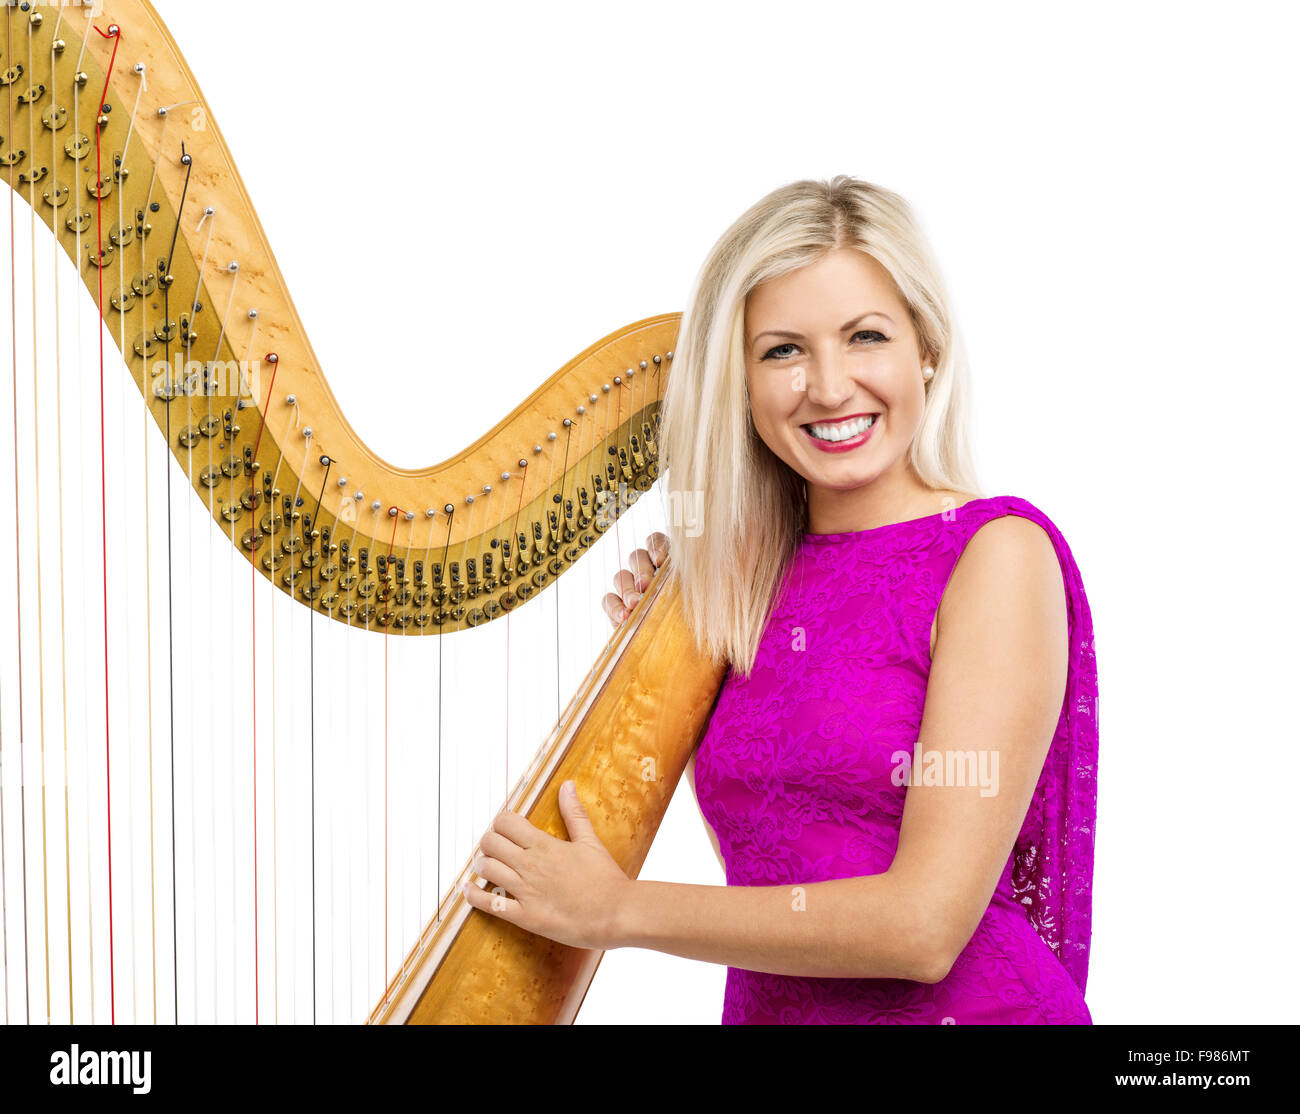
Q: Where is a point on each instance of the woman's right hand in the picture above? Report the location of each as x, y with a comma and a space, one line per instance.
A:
631, 585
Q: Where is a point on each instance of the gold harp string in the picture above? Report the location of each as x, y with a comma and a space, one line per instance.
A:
275, 796
426, 574
512, 540
310, 530
58, 428
274, 360
382, 571
186, 326
412, 747
332, 636
113, 33
490, 491
458, 826
85, 565
169, 395
13, 322
236, 478
348, 504
138, 69
120, 176
291, 509
369, 611
36, 493
590, 571
145, 436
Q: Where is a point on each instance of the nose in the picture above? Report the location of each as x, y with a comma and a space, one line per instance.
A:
828, 383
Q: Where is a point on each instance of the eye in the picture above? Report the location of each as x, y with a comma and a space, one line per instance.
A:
778, 352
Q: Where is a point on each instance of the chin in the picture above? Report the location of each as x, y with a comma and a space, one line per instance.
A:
845, 484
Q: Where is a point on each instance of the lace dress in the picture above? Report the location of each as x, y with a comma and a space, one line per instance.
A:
794, 774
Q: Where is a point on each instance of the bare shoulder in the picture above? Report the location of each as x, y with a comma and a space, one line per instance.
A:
1003, 622
1014, 539
1009, 567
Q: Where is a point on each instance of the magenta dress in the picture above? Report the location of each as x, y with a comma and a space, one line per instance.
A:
794, 774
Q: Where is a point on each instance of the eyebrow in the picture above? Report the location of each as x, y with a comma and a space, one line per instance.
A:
843, 328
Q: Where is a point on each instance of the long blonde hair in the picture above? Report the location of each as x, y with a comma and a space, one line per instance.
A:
751, 506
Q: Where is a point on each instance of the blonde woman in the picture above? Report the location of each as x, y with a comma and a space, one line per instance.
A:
899, 775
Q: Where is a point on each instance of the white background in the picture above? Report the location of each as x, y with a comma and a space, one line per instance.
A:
462, 197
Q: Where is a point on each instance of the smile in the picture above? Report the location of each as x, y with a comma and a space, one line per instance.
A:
842, 432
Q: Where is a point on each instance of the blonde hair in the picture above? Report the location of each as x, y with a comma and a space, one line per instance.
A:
753, 506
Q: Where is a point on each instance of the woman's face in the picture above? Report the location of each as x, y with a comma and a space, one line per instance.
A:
828, 349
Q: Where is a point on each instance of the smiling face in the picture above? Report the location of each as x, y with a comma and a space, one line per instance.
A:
834, 368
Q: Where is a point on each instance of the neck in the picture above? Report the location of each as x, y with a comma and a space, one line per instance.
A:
895, 496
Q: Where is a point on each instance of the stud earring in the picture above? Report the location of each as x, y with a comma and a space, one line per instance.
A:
927, 373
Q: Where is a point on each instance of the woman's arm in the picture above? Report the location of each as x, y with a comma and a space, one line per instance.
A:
996, 686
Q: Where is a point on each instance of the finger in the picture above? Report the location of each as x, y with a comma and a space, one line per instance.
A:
516, 829
495, 871
643, 569
576, 820
614, 608
657, 544
625, 584
496, 846
489, 901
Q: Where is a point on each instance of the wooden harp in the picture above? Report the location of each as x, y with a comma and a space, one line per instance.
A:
217, 588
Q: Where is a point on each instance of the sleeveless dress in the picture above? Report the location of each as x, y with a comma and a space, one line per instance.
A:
794, 773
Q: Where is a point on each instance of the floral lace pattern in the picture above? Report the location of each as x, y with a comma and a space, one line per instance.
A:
794, 774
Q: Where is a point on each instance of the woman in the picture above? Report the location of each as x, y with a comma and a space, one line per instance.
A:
899, 773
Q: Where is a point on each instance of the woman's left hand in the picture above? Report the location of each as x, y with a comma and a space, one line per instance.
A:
566, 890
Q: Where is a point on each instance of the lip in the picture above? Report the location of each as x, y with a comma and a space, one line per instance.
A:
842, 446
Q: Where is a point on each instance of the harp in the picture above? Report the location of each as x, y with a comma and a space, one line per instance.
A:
238, 784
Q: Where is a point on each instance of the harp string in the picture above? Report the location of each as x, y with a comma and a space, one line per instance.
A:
170, 386
511, 540
85, 569
311, 579
40, 595
442, 572
111, 33
559, 511
388, 634
63, 640
13, 322
274, 361
468, 800
126, 548
431, 514
252, 689
292, 512
148, 547
207, 477
483, 796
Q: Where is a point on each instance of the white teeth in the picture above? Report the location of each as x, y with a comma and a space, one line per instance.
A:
842, 431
